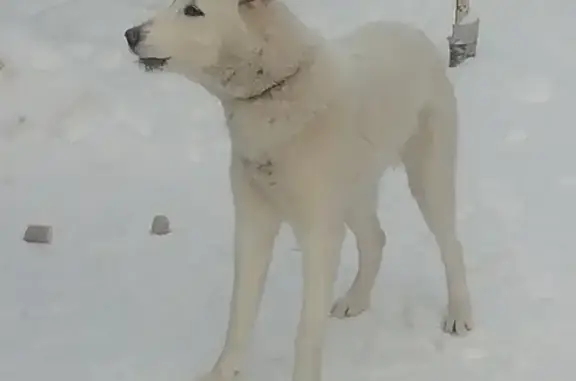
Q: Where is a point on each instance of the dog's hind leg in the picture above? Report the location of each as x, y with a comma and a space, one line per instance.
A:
430, 161
370, 240
256, 226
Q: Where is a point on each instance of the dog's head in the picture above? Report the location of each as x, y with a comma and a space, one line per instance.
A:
189, 35
238, 47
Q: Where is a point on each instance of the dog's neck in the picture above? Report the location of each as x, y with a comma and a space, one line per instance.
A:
275, 86
250, 75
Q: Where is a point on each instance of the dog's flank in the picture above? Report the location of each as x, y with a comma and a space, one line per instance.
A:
313, 125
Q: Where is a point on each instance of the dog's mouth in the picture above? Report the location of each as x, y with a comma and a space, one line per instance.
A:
153, 63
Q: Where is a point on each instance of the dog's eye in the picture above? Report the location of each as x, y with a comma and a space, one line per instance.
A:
193, 11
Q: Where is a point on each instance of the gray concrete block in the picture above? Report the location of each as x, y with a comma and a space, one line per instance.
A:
160, 225
38, 234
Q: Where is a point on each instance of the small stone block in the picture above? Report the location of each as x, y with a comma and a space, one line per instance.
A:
160, 225
38, 234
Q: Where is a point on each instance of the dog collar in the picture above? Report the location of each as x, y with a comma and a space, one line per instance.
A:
268, 90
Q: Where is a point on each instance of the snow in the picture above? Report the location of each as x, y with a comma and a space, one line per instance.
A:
94, 147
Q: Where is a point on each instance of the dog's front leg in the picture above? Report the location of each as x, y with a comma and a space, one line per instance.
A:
321, 241
256, 226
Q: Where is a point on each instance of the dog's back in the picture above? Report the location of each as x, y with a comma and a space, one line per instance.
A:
394, 72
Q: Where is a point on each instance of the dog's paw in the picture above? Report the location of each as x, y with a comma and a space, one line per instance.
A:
458, 321
348, 306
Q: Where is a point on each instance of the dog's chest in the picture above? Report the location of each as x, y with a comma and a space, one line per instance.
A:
262, 171
259, 132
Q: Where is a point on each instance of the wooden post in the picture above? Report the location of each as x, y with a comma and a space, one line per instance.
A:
465, 31
462, 10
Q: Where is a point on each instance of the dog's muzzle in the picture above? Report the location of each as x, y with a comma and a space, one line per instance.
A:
152, 63
133, 38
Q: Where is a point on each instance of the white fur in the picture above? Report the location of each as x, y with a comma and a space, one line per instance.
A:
311, 151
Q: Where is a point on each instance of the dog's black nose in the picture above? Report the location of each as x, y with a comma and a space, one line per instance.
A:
133, 36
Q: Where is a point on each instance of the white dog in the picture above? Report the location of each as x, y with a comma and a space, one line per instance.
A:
313, 126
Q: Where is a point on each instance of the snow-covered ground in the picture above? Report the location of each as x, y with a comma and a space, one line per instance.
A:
96, 148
